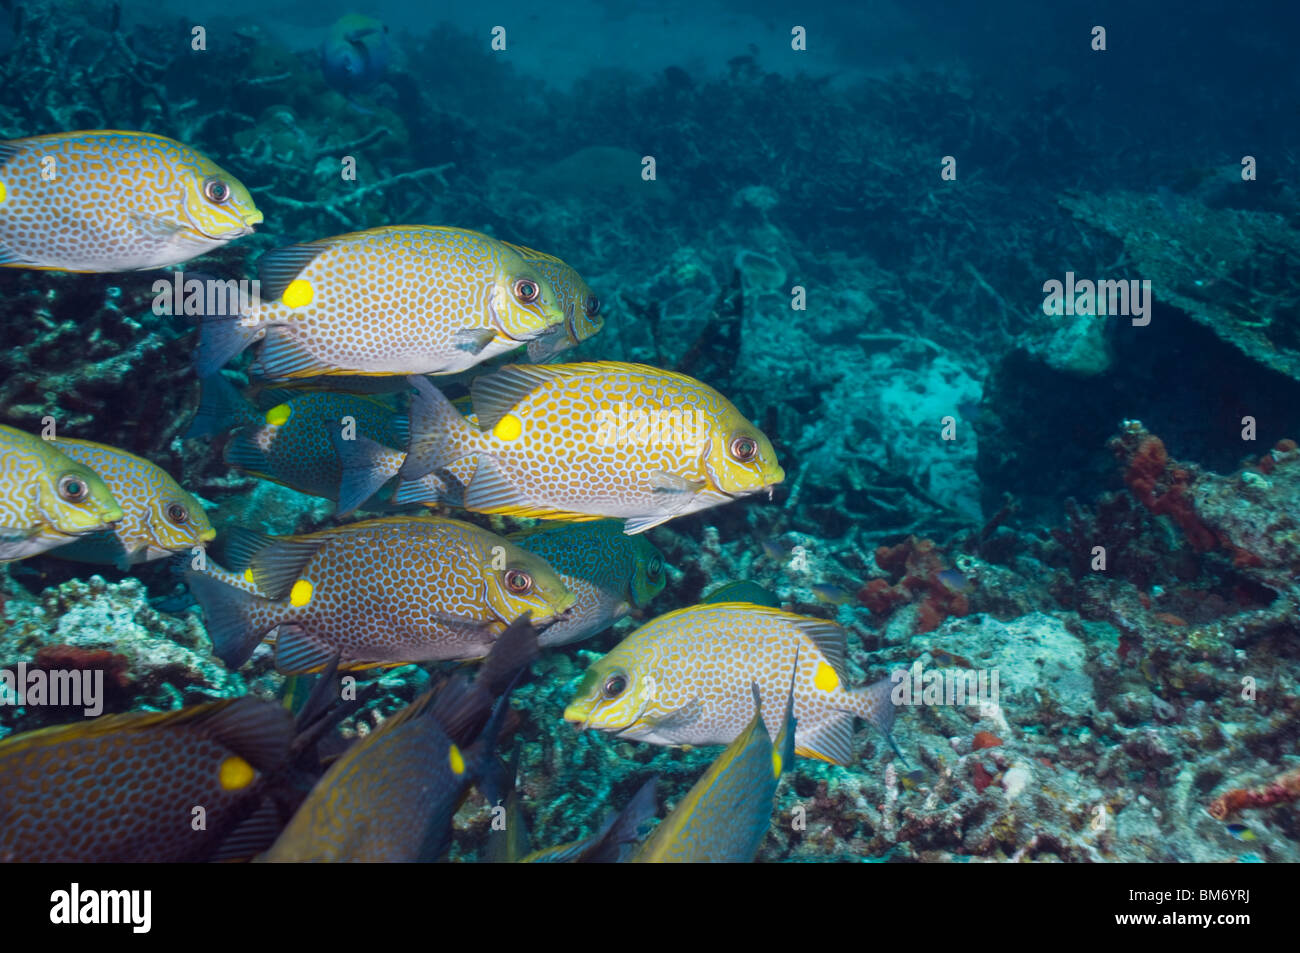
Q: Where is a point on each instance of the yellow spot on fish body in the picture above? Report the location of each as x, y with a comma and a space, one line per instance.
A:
508, 427
300, 594
278, 415
235, 773
456, 761
776, 764
825, 678
4, 193
248, 575
298, 294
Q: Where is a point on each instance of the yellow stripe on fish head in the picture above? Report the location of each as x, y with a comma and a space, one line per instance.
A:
177, 521
612, 695
516, 581
740, 458
73, 498
524, 303
216, 203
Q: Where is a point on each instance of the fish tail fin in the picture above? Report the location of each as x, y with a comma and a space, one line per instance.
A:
438, 432
228, 616
623, 830
221, 407
366, 466
222, 338
874, 703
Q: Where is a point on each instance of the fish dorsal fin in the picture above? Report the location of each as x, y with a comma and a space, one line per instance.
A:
495, 395
280, 266
827, 637
10, 149
280, 563
242, 545
259, 731
256, 730
532, 254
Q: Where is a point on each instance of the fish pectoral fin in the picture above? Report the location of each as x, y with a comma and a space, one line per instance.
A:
639, 524
155, 226
665, 482
679, 718
473, 340
277, 269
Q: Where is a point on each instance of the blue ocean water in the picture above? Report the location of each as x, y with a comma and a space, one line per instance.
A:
955, 341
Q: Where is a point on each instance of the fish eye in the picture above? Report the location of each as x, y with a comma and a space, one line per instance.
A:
178, 514
527, 290
518, 581
593, 306
615, 685
72, 488
744, 449
216, 190
656, 566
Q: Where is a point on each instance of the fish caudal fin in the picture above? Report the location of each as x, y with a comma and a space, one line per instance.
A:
224, 336
367, 465
875, 704
437, 432
221, 407
227, 615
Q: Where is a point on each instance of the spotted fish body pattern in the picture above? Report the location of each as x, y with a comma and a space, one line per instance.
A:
124, 787
725, 816
609, 573
581, 308
106, 200
380, 592
686, 679
159, 518
47, 499
404, 299
580, 441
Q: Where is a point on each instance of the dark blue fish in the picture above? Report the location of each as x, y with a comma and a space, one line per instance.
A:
355, 54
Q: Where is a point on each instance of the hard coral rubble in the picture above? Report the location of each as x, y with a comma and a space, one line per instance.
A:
1248, 516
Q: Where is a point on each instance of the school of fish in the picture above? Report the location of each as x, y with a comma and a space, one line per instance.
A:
349, 330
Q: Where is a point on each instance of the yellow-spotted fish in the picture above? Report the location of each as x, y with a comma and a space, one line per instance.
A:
293, 436
158, 517
105, 200
609, 573
381, 592
581, 308
47, 499
726, 815
685, 679
391, 796
404, 299
129, 788
580, 441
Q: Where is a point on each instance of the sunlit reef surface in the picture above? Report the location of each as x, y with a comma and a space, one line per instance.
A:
1136, 690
